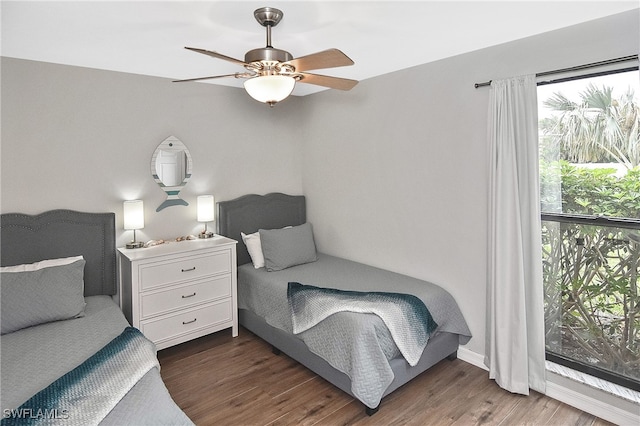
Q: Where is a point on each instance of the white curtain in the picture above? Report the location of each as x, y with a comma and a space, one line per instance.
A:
515, 310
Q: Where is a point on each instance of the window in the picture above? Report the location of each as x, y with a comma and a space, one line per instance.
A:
590, 200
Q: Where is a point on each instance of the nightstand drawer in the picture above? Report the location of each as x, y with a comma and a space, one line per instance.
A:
186, 321
209, 289
157, 274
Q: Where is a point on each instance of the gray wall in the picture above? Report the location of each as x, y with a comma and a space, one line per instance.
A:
394, 171
82, 139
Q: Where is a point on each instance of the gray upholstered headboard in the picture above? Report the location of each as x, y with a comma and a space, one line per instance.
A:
252, 212
64, 233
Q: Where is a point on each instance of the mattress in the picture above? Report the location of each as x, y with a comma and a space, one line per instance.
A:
34, 357
259, 290
366, 346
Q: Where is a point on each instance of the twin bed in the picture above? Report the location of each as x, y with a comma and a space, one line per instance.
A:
68, 354
358, 352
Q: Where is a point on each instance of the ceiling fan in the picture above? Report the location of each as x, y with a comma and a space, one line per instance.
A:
272, 73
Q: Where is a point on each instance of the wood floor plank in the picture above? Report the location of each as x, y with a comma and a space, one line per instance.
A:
221, 380
533, 409
570, 415
349, 414
492, 406
307, 403
253, 407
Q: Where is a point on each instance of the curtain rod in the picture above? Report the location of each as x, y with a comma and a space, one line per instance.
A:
576, 68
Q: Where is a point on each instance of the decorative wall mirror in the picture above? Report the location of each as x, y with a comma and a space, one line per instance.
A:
171, 166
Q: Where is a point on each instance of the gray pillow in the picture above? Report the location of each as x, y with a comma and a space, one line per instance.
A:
35, 297
283, 248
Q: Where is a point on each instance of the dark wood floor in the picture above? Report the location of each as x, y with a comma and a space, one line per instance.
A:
219, 380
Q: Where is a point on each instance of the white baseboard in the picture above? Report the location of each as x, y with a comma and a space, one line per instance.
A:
591, 405
568, 396
472, 358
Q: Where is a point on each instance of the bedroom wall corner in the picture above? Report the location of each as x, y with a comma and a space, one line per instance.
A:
399, 179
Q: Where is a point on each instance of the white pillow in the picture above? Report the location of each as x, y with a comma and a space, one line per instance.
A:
254, 247
40, 265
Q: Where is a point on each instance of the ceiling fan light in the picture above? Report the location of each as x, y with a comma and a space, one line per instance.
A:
270, 89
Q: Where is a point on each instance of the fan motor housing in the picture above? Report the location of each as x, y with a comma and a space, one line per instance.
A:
267, 54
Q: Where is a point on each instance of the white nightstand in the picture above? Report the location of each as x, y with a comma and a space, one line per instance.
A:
178, 291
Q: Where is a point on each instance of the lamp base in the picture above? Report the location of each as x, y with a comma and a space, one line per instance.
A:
135, 244
204, 234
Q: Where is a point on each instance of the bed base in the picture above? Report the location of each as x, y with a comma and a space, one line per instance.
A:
442, 346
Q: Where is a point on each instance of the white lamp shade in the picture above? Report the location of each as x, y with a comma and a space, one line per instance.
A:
133, 214
269, 88
205, 208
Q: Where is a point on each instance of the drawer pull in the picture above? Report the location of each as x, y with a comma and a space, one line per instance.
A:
189, 322
186, 296
188, 270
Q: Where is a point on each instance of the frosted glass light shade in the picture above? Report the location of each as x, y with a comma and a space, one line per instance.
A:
269, 88
133, 214
205, 208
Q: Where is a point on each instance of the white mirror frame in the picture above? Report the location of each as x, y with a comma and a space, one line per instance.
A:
172, 145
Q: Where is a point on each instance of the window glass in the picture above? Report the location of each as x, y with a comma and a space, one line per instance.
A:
590, 200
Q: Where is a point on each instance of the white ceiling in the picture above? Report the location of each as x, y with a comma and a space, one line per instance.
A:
147, 37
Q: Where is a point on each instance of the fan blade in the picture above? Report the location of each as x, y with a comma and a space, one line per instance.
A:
236, 75
330, 58
327, 81
217, 55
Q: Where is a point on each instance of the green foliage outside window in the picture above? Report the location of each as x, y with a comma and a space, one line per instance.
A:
592, 273
592, 192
